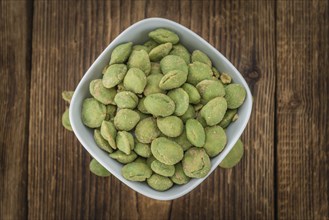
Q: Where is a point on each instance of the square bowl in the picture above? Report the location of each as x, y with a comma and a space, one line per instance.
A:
138, 33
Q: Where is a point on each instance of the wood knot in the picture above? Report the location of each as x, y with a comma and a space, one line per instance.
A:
252, 76
290, 102
293, 104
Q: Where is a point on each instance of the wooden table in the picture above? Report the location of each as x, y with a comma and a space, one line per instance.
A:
280, 47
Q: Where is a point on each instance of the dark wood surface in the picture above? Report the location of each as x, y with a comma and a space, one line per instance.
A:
280, 47
302, 110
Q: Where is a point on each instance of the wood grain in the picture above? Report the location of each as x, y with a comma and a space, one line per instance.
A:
59, 180
280, 47
15, 51
68, 36
302, 112
245, 192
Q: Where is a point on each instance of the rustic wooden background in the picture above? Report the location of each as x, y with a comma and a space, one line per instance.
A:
280, 47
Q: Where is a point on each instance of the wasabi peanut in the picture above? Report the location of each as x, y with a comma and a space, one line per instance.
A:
181, 51
126, 99
173, 62
109, 133
102, 94
97, 169
166, 151
159, 52
121, 53
210, 89
235, 95
147, 130
159, 183
101, 142
173, 79
67, 96
162, 35
152, 85
181, 100
197, 72
193, 93
66, 120
162, 169
171, 126
126, 119
179, 176
93, 113
141, 60
215, 140
135, 80
136, 171
234, 156
199, 56
114, 75
196, 163
159, 105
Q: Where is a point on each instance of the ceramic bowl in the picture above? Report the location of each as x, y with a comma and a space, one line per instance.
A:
138, 34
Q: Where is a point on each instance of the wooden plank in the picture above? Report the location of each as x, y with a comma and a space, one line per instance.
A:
15, 49
302, 113
149, 208
66, 43
68, 37
244, 32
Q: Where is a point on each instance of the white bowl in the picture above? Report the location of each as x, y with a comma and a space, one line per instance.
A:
137, 33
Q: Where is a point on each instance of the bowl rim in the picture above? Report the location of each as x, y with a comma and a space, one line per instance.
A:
223, 154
